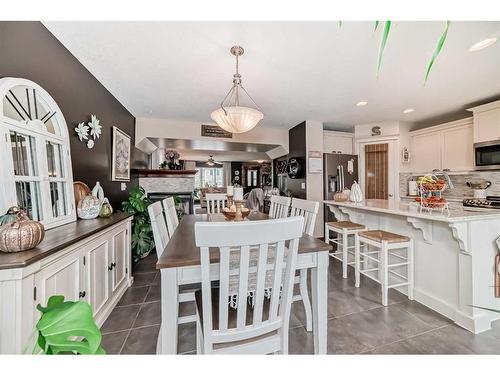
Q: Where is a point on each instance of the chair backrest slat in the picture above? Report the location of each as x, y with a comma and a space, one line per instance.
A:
170, 214
308, 210
259, 258
159, 227
215, 202
279, 206
260, 286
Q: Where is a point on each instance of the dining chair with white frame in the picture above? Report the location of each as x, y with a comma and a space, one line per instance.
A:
279, 206
309, 211
170, 214
224, 330
215, 202
158, 226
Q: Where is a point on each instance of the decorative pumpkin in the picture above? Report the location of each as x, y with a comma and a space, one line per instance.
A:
10, 216
340, 196
88, 207
356, 194
106, 209
22, 234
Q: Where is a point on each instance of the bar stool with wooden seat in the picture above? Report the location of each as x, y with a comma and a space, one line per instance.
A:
344, 229
392, 251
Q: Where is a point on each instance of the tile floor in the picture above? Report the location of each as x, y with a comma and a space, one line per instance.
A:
357, 323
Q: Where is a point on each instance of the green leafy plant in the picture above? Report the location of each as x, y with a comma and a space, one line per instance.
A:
178, 207
383, 42
67, 327
437, 51
142, 234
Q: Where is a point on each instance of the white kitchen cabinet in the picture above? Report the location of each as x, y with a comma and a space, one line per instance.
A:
456, 148
95, 268
486, 122
337, 142
446, 146
425, 152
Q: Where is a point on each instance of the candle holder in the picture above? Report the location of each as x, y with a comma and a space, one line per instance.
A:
239, 215
229, 201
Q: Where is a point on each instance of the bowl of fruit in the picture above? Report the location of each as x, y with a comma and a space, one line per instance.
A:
431, 183
230, 212
434, 202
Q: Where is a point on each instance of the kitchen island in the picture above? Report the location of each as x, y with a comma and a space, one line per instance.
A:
454, 254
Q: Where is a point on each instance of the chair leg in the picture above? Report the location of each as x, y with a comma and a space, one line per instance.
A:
345, 240
305, 298
327, 234
356, 260
199, 349
384, 279
411, 269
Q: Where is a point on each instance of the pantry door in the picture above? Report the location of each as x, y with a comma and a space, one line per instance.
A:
379, 169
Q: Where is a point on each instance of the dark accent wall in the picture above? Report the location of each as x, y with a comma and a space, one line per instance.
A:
29, 50
297, 149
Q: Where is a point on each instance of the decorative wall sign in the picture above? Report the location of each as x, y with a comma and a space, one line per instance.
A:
315, 162
405, 155
120, 168
376, 131
214, 131
281, 167
294, 168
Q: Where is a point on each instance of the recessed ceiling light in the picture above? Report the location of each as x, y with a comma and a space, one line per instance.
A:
361, 103
483, 44
409, 110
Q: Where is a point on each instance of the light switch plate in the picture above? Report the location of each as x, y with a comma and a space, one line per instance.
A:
123, 186
303, 185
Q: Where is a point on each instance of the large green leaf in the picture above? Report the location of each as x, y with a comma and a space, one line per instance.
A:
383, 42
437, 51
376, 25
68, 327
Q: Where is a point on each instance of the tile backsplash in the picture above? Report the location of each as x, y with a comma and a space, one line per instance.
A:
461, 190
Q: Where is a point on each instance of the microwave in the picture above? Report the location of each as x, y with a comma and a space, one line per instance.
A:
487, 155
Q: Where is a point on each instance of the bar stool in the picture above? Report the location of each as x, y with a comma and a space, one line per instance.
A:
387, 246
343, 229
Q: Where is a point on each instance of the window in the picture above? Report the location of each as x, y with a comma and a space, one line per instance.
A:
208, 177
252, 175
35, 167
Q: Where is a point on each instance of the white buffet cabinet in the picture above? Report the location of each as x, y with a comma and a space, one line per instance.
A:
96, 268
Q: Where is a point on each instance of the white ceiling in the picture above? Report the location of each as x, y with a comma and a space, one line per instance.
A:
293, 70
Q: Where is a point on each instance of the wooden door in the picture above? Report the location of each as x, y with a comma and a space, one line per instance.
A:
377, 171
119, 256
98, 274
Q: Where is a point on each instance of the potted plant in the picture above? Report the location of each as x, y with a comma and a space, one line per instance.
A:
142, 234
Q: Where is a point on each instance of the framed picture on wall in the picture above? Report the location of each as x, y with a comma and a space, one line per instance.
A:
120, 168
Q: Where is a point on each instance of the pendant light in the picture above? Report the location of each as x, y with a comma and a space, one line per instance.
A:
231, 116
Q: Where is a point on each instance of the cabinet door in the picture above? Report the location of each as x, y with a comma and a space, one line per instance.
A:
62, 277
98, 273
426, 152
119, 258
335, 143
487, 126
457, 149
345, 145
329, 144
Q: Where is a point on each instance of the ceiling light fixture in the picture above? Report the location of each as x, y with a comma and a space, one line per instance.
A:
231, 116
361, 103
483, 44
409, 110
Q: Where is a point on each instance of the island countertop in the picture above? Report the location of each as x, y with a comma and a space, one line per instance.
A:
401, 208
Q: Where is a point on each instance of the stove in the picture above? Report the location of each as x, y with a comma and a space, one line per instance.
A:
490, 202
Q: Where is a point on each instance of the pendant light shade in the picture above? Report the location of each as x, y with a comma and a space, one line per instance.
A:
237, 119
231, 116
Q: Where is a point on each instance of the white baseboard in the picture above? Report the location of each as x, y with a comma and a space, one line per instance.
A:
111, 304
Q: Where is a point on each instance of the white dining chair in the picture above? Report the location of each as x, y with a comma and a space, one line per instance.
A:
260, 327
159, 227
215, 202
279, 206
309, 211
170, 214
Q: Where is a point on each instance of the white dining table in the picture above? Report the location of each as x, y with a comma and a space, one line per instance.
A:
179, 265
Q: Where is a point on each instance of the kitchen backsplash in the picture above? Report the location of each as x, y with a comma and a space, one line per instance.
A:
460, 190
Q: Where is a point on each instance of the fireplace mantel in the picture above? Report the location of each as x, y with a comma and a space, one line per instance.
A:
169, 173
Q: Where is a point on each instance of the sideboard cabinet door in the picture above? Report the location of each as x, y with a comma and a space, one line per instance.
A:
120, 250
97, 271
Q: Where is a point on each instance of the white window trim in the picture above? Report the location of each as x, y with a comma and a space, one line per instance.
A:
8, 196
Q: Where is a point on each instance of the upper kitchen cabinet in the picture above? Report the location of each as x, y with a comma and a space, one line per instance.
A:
446, 146
337, 142
486, 122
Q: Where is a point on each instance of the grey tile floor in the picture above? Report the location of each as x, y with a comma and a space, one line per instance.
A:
358, 323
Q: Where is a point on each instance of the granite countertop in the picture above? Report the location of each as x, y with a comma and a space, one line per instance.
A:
397, 207
59, 238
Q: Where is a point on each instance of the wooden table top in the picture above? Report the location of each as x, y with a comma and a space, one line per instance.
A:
181, 249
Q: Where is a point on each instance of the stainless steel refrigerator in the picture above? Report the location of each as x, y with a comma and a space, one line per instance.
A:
339, 173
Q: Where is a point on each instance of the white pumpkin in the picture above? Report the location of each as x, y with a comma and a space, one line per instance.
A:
356, 195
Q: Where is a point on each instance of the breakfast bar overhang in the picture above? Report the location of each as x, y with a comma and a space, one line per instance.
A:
454, 255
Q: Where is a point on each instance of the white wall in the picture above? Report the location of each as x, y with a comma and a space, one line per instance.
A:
314, 181
189, 130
